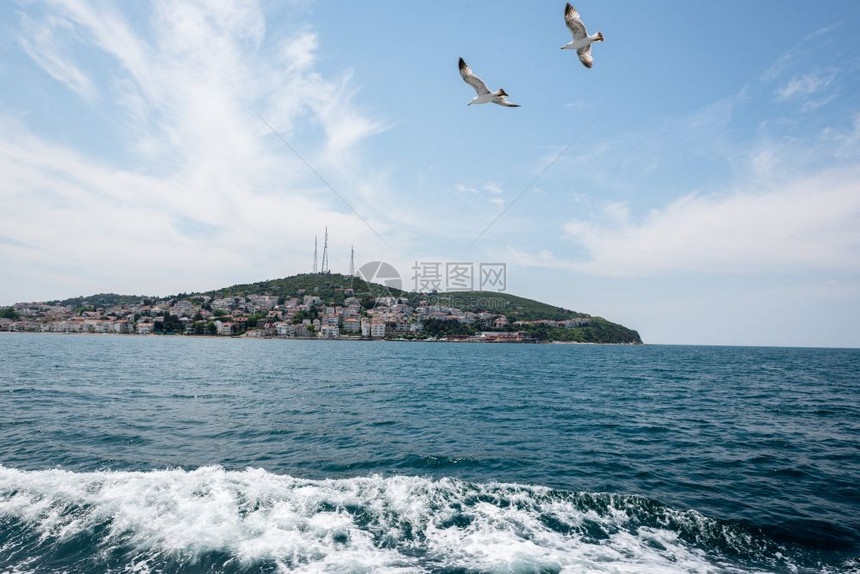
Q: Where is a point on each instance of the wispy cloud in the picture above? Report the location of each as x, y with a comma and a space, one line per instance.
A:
47, 43
543, 258
796, 52
207, 186
801, 78
806, 84
493, 187
812, 89
489, 191
810, 224
465, 188
14, 243
579, 105
845, 144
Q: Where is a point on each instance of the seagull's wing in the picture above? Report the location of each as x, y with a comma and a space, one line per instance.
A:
470, 78
503, 101
585, 56
574, 22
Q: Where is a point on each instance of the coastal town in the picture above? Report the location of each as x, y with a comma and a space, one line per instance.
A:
364, 304
304, 316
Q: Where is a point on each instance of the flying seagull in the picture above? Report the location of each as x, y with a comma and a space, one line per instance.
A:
581, 40
484, 96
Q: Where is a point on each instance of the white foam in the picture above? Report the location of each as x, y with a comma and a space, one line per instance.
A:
350, 525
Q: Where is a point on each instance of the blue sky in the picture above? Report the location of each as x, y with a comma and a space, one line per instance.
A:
715, 200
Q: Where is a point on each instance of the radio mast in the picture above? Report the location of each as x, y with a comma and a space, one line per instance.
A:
324, 266
316, 269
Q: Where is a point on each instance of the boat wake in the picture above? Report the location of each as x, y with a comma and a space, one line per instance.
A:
211, 519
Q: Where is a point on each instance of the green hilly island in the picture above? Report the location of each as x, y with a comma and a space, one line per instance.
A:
319, 305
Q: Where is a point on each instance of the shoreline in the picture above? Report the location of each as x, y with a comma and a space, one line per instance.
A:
350, 339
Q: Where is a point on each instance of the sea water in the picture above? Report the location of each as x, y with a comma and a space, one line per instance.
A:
170, 454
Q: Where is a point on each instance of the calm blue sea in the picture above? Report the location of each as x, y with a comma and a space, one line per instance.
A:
169, 454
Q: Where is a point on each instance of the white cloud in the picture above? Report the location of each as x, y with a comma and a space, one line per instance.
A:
844, 143
488, 191
809, 224
804, 86
799, 73
488, 186
544, 258
210, 194
493, 187
44, 45
618, 211
797, 52
579, 105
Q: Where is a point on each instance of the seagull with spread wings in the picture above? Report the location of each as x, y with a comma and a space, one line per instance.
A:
485, 96
581, 40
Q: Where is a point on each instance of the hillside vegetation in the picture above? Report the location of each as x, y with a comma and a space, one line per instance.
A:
534, 318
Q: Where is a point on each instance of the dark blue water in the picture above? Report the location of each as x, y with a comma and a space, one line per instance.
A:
167, 454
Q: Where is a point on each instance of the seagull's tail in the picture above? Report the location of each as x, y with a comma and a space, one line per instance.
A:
599, 37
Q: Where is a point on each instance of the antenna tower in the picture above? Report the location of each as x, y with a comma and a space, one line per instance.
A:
316, 269
351, 261
324, 266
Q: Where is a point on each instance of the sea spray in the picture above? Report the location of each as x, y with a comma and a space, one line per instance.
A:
252, 519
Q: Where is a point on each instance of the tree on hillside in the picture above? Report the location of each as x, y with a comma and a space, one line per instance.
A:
9, 313
169, 324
